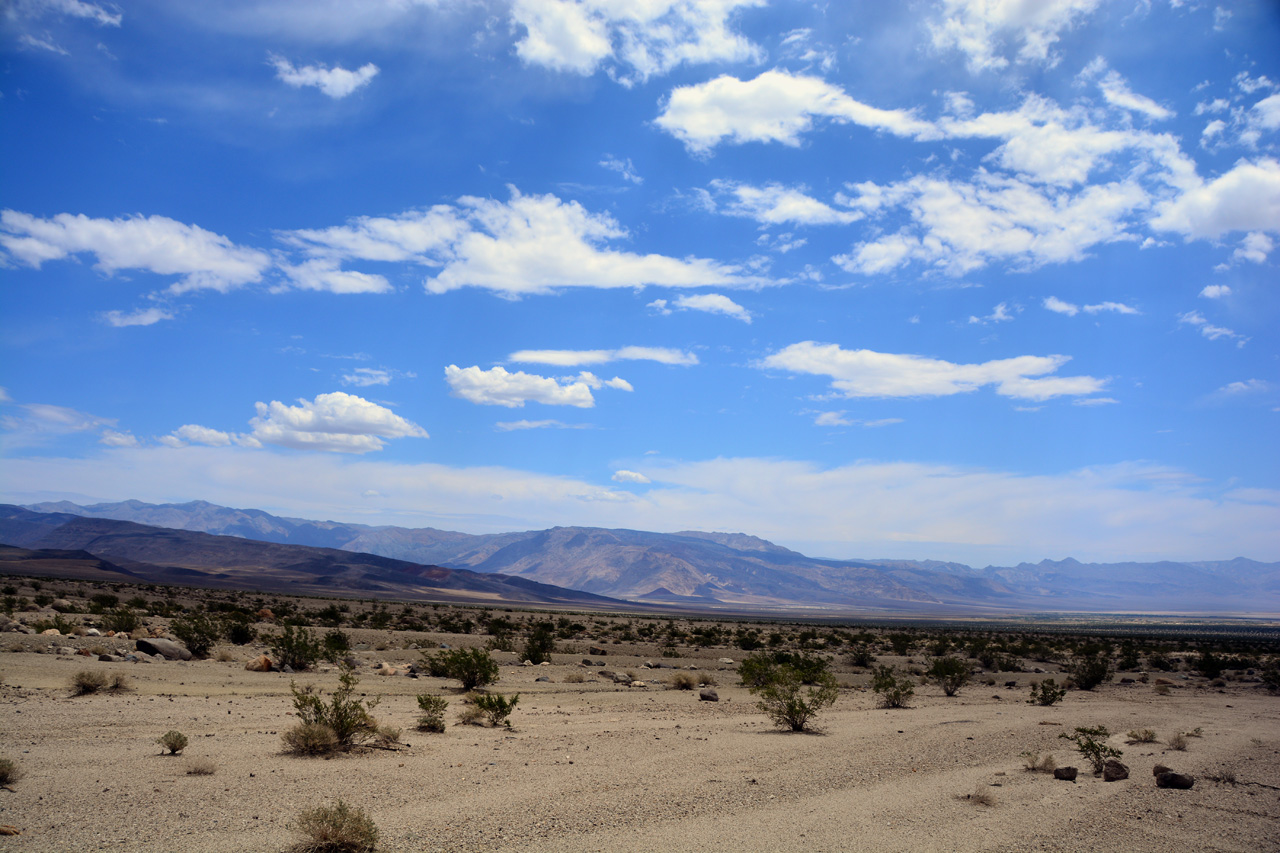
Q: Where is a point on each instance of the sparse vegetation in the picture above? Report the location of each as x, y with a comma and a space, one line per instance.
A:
433, 708
1141, 736
10, 771
495, 707
296, 648
682, 681
1178, 742
201, 767
980, 797
1046, 693
337, 829
346, 716
198, 631
475, 668
895, 691
88, 681
1089, 670
1090, 741
790, 703
949, 673
1037, 763
173, 740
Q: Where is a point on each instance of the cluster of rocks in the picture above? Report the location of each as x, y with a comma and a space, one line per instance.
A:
1114, 771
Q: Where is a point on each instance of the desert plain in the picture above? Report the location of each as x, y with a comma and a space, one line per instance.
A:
591, 764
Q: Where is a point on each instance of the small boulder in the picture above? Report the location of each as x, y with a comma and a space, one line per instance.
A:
587, 662
708, 694
598, 652
167, 649
110, 658
621, 678
262, 663
1067, 774
1177, 781
1114, 771
51, 632
542, 678
726, 660
92, 632
1160, 768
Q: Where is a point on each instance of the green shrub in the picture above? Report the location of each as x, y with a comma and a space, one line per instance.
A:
1088, 671
1090, 742
540, 645
238, 631
495, 707
1209, 665
344, 714
1046, 692
336, 644
861, 656
10, 771
122, 620
198, 631
473, 667
790, 703
295, 648
950, 674
433, 708
337, 829
894, 692
757, 669
173, 740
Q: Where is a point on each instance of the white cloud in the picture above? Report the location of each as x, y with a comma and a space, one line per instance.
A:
635, 40
713, 303
196, 434
1209, 330
1117, 307
155, 244
1215, 291
36, 423
1055, 304
985, 30
1248, 386
364, 377
336, 421
1094, 401
1116, 92
625, 476
1249, 85
323, 274
623, 168
774, 107
1254, 247
1000, 314
336, 82
43, 44
865, 373
774, 204
838, 419
112, 438
1246, 198
498, 387
140, 317
579, 358
98, 14
1266, 113
511, 426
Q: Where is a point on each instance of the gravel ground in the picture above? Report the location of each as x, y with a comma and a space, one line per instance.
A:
596, 767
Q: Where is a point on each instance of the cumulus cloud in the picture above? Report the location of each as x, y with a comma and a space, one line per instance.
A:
774, 107
1255, 247
336, 421
579, 358
336, 82
774, 204
112, 438
986, 30
625, 476
195, 434
634, 40
1215, 291
1000, 314
154, 244
140, 317
1246, 198
323, 274
712, 303
1115, 91
1197, 320
499, 387
1057, 305
865, 373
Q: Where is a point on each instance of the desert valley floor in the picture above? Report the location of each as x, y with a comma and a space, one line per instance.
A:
593, 766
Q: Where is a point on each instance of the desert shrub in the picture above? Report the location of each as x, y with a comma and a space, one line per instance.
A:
98, 650
495, 707
470, 714
790, 703
173, 740
387, 736
295, 648
1160, 661
117, 682
337, 829
310, 739
10, 771
224, 656
64, 626
540, 645
122, 620
336, 644
1037, 763
473, 667
575, 678
1046, 693
706, 679
238, 631
1178, 742
682, 681
103, 601
757, 670
1088, 671
1161, 690
346, 715
1209, 665
433, 708
861, 656
1141, 736
1090, 741
88, 681
950, 674
894, 691
201, 767
198, 631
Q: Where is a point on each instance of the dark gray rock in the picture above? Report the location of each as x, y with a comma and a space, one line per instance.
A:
708, 694
1114, 771
167, 649
1160, 768
1067, 774
598, 652
542, 678
1177, 781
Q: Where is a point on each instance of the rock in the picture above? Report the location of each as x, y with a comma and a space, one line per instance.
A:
261, 663
1067, 774
92, 632
598, 652
51, 632
1114, 771
168, 649
542, 678
1010, 684
527, 663
1127, 681
638, 684
287, 669
726, 660
621, 678
587, 662
110, 658
1160, 768
708, 694
545, 663
1177, 781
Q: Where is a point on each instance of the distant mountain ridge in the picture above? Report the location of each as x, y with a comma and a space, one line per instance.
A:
706, 570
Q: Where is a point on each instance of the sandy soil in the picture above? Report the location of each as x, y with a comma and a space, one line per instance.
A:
597, 767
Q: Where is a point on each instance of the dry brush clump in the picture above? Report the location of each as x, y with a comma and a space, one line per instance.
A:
337, 829
201, 767
88, 681
173, 740
10, 771
1141, 736
1037, 763
1178, 742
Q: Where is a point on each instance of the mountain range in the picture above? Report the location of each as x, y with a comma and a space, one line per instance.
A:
689, 569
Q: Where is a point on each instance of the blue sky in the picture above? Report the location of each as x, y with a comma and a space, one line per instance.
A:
978, 280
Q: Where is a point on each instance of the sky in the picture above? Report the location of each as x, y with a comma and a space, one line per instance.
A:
977, 280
